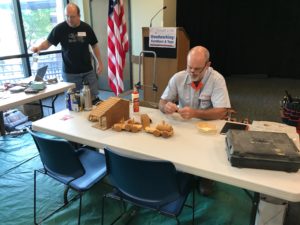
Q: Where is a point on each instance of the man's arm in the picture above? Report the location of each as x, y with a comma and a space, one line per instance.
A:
43, 46
96, 51
207, 114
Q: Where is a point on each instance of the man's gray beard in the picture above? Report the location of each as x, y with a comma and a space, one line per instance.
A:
194, 79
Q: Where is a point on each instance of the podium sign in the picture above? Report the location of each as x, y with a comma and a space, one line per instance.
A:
162, 37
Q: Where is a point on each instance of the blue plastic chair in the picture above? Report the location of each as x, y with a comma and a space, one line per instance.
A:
79, 169
149, 184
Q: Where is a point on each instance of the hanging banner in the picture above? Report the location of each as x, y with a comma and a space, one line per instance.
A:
162, 37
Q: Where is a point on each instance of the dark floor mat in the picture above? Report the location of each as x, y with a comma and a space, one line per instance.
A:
15, 150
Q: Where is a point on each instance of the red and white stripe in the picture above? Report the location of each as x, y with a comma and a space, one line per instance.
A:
117, 45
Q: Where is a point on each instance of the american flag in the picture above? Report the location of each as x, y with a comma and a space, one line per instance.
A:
117, 45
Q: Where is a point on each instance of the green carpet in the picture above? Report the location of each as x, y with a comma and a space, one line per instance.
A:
18, 158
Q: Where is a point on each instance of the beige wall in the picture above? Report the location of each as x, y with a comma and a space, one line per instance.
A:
141, 13
170, 13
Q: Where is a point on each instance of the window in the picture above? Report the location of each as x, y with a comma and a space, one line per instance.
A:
25, 23
9, 41
39, 17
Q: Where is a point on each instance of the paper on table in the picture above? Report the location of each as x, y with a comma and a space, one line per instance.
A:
276, 127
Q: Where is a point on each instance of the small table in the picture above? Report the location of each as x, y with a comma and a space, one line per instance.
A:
10, 100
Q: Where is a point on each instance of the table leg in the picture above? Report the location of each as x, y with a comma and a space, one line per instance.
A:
48, 106
2, 124
255, 200
41, 107
53, 104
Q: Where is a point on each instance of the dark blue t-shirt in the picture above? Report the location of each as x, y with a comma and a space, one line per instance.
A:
75, 46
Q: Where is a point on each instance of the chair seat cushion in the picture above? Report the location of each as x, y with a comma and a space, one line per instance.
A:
93, 163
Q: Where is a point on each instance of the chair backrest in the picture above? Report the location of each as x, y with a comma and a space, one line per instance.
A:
58, 157
147, 180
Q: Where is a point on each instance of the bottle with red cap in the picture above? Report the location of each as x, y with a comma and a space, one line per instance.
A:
135, 100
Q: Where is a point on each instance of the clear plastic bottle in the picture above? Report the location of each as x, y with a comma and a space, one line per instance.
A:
35, 61
86, 96
135, 100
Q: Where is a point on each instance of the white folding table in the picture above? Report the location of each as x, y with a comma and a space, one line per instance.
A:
191, 151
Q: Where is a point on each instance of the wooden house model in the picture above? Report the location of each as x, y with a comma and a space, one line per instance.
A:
109, 112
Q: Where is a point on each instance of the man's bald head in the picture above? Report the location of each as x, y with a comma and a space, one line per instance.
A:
72, 14
199, 52
73, 6
197, 62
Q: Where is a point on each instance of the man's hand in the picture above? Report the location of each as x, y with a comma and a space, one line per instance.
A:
43, 46
35, 49
186, 112
99, 68
170, 108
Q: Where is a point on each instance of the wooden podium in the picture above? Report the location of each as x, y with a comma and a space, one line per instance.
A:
168, 62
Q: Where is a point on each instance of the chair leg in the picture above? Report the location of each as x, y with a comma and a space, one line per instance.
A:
115, 220
52, 213
79, 214
34, 197
67, 188
124, 211
102, 214
193, 207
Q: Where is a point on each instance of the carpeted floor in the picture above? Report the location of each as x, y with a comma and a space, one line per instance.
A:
227, 206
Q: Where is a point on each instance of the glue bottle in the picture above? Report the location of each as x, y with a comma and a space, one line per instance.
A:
135, 100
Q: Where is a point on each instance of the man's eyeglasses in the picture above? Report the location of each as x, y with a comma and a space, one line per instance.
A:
71, 17
196, 70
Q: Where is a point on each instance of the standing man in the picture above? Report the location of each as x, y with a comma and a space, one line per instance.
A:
200, 92
76, 37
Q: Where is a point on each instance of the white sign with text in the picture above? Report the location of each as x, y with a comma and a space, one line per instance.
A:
162, 37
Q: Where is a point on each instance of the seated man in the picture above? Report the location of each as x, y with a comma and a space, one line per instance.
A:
200, 91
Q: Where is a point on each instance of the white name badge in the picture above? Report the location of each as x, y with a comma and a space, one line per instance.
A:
81, 34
